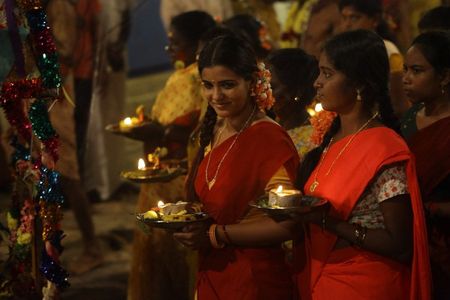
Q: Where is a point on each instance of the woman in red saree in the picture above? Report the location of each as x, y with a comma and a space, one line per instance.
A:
372, 243
426, 127
242, 154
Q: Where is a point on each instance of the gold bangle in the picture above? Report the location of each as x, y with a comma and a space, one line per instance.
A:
227, 237
213, 238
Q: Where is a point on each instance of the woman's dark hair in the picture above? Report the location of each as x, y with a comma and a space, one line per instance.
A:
361, 56
235, 54
214, 32
435, 46
437, 18
372, 9
296, 70
192, 25
248, 28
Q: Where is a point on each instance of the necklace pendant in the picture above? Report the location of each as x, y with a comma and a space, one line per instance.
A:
313, 186
211, 183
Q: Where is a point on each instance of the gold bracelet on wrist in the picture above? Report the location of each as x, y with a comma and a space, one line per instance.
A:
213, 237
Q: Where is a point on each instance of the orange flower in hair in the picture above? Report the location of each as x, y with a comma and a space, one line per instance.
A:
321, 122
262, 90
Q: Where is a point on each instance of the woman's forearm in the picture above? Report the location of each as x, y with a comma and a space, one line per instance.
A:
379, 241
261, 232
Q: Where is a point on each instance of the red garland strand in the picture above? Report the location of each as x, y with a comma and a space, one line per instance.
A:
43, 42
13, 92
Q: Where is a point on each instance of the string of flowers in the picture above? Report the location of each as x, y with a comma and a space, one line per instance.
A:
262, 91
321, 122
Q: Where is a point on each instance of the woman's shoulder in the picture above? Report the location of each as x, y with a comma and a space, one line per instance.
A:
383, 139
268, 134
266, 125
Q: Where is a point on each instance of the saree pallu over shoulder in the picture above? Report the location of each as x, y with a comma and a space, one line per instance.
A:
431, 146
258, 153
370, 151
241, 272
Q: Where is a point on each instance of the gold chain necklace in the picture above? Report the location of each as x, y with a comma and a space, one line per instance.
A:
315, 183
213, 180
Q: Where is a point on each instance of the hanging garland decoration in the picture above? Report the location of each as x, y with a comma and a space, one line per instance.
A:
43, 43
44, 46
45, 197
11, 97
42, 127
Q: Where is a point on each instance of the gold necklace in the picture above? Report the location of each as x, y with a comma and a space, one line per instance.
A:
211, 182
315, 183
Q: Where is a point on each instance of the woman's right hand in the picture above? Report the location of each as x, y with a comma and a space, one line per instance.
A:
194, 236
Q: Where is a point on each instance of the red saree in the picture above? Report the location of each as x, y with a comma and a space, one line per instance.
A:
352, 273
431, 147
238, 272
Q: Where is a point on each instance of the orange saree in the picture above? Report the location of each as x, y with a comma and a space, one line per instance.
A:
241, 272
353, 273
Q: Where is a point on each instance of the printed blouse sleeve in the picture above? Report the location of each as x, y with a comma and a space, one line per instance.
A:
391, 182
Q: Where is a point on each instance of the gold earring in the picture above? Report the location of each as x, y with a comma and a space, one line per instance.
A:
358, 95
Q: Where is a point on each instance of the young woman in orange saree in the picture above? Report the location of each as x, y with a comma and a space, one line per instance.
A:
246, 154
372, 243
426, 128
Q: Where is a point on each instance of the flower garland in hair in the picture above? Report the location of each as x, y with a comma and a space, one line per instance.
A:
262, 91
321, 122
264, 37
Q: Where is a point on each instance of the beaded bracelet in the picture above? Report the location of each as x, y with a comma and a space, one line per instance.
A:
213, 238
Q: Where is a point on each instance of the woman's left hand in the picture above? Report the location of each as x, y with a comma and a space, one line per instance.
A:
314, 216
194, 236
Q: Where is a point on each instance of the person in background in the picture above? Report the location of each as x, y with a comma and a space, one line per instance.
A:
160, 267
83, 64
416, 9
293, 75
426, 128
62, 15
373, 234
243, 153
104, 152
251, 30
437, 18
367, 14
309, 24
218, 9
264, 12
